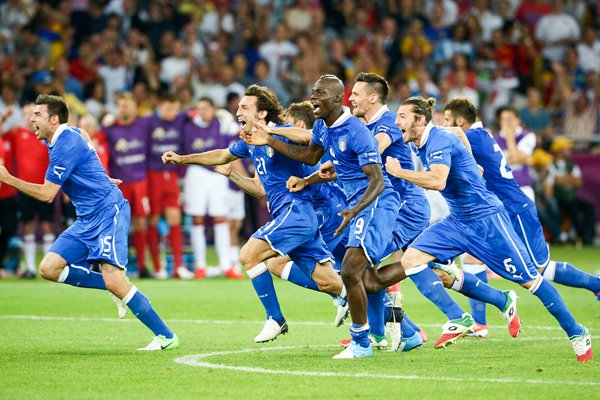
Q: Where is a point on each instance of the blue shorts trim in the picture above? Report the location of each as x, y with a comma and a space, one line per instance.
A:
531, 233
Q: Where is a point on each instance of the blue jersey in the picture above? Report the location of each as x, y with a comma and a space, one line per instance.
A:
75, 166
351, 146
496, 171
465, 191
273, 169
384, 121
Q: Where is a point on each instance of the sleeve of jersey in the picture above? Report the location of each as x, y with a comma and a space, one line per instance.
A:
317, 138
63, 160
393, 132
440, 152
239, 149
364, 145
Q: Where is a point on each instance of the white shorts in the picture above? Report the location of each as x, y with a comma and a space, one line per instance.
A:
237, 206
205, 192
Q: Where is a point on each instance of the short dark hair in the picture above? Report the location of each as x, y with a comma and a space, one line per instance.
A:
462, 107
421, 106
303, 111
56, 106
375, 83
509, 109
206, 99
266, 101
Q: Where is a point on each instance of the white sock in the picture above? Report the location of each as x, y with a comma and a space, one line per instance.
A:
199, 245
63, 274
223, 244
29, 247
550, 271
48, 240
285, 272
234, 255
130, 294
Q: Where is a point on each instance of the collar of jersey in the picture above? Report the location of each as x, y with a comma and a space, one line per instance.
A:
57, 133
476, 125
345, 115
425, 135
378, 114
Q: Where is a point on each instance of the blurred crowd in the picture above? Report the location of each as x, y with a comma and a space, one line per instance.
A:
529, 66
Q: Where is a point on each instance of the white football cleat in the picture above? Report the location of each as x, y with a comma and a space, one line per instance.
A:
354, 350
162, 343
121, 306
185, 273
271, 330
162, 274
342, 310
582, 345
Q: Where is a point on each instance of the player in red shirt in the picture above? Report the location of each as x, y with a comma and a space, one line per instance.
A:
31, 162
8, 199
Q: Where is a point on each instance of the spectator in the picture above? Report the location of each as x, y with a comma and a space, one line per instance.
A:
545, 202
94, 95
277, 52
488, 19
177, 64
63, 75
461, 89
114, 74
225, 85
263, 78
589, 50
567, 181
10, 110
534, 116
556, 31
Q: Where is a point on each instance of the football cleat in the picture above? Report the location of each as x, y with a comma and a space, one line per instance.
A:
162, 274
454, 329
582, 344
160, 342
423, 335
184, 273
354, 350
200, 273
509, 313
411, 343
271, 330
232, 273
480, 331
342, 310
121, 306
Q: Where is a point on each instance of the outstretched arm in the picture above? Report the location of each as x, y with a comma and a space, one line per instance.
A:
310, 154
45, 192
208, 158
376, 186
459, 133
434, 179
295, 134
252, 186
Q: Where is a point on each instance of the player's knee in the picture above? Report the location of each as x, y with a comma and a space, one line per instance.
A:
275, 266
409, 260
50, 269
248, 258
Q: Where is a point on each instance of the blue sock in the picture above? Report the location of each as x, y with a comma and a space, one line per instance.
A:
556, 306
140, 307
387, 301
478, 308
407, 327
567, 274
479, 290
409, 322
82, 277
375, 312
431, 287
263, 286
360, 334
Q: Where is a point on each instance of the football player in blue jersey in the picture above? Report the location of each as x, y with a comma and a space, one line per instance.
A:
478, 222
327, 201
99, 234
294, 228
372, 202
499, 180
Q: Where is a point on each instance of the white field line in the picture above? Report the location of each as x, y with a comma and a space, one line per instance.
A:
237, 322
195, 360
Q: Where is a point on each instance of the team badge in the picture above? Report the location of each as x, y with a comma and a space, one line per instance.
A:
342, 143
198, 144
270, 152
159, 133
122, 145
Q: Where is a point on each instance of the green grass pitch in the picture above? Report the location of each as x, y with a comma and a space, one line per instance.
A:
60, 342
